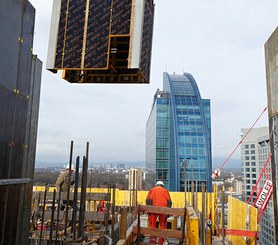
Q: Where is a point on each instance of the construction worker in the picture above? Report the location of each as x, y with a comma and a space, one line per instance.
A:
62, 184
158, 196
101, 207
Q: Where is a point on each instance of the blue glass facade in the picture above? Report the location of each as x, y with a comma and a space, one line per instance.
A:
178, 132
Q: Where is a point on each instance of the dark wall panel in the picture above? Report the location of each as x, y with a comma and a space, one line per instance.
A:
121, 14
145, 63
7, 100
98, 34
10, 26
18, 71
25, 56
74, 34
61, 33
18, 137
12, 206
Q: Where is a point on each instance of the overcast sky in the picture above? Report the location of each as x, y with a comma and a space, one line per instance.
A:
220, 42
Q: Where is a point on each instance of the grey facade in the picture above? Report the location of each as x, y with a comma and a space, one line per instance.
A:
266, 236
271, 62
20, 82
250, 159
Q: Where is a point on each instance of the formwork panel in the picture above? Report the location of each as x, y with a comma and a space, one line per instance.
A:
32, 117
11, 219
74, 34
61, 33
145, 63
121, 14
18, 137
10, 12
239, 214
25, 59
104, 57
7, 111
97, 40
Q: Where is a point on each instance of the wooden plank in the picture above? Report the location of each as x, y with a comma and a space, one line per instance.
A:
158, 232
162, 210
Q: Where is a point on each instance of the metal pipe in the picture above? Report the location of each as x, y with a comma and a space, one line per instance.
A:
52, 217
185, 182
58, 214
42, 220
75, 196
222, 214
192, 186
68, 190
183, 227
83, 196
113, 215
203, 213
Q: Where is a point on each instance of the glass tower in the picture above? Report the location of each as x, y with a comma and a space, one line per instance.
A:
178, 133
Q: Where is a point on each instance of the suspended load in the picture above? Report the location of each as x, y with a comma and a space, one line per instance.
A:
101, 41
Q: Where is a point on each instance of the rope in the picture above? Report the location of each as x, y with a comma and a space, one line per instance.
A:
240, 142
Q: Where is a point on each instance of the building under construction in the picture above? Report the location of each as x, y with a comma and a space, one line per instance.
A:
98, 42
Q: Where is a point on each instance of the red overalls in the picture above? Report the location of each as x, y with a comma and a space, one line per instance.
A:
158, 196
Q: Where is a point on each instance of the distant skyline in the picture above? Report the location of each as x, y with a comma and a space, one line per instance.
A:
221, 43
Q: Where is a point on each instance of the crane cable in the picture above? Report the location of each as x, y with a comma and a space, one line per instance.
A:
216, 173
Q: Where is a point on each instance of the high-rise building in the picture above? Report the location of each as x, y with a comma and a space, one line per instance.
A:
238, 187
178, 132
135, 179
266, 236
254, 153
250, 159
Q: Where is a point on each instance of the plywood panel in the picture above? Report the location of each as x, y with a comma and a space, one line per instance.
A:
121, 13
74, 34
97, 42
145, 63
61, 34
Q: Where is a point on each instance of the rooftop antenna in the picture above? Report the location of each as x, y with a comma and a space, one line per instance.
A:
182, 66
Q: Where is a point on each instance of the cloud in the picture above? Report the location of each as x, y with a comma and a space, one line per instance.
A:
221, 43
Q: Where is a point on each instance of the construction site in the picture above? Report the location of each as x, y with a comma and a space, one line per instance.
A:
107, 42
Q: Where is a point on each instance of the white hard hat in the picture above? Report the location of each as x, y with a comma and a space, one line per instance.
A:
68, 167
159, 183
